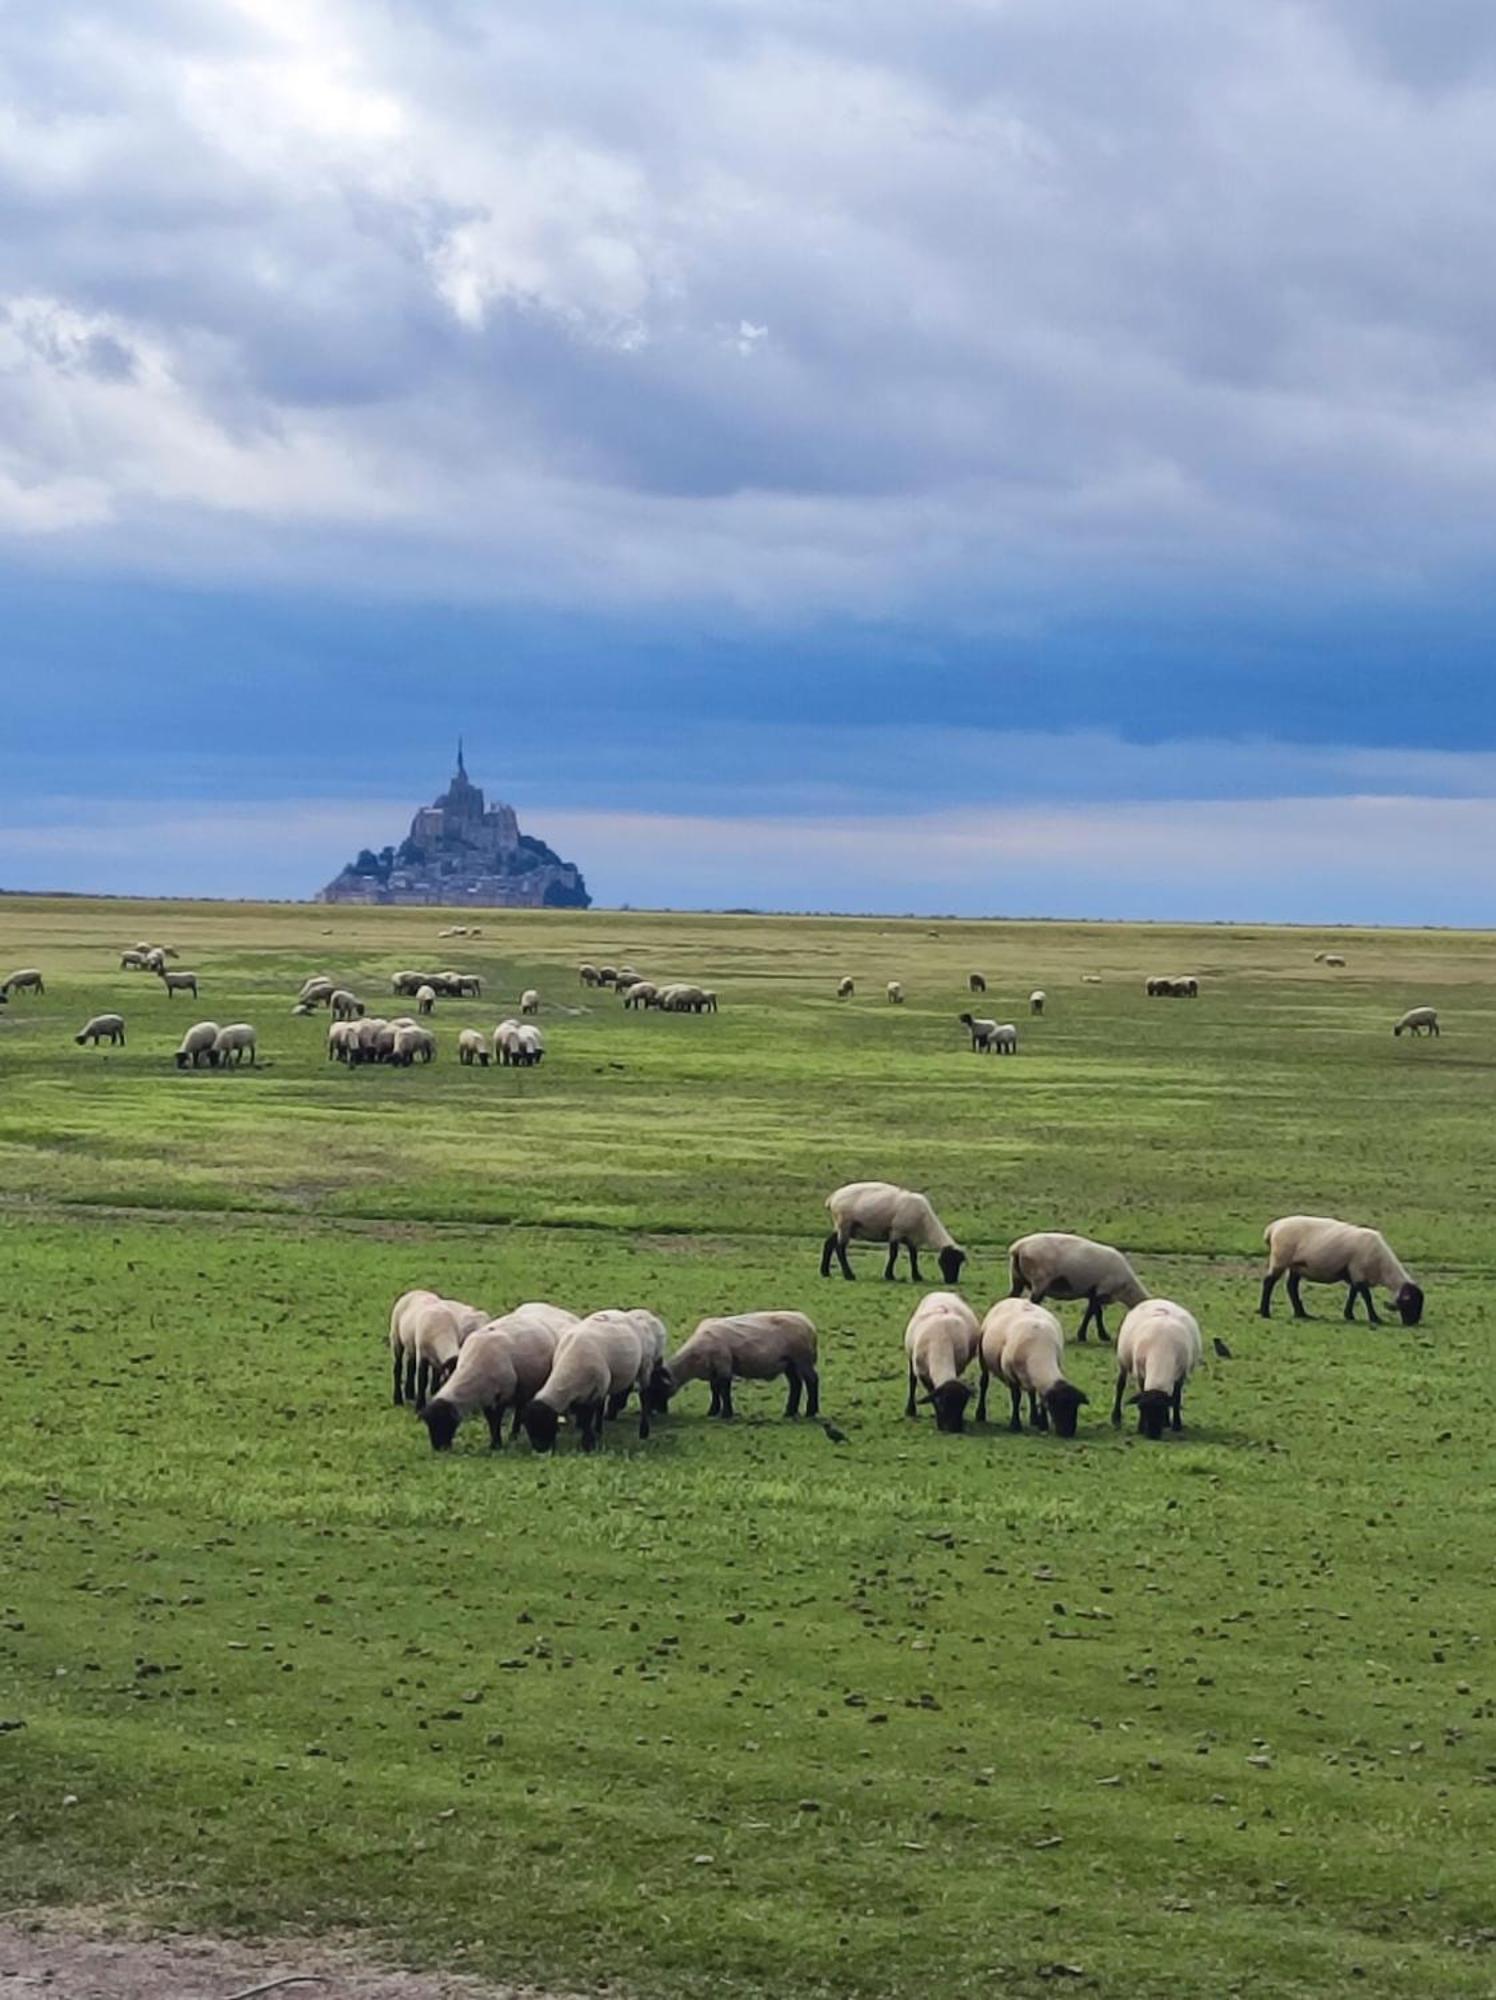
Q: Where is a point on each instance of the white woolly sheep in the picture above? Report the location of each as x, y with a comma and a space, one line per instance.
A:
1024, 1345
643, 993
198, 1045
506, 1041
342, 1040
133, 961
1036, 1001
102, 1028
1053, 1265
529, 1045
982, 1031
1418, 1021
345, 1006
425, 999
895, 993
27, 980
155, 960
1158, 1347
753, 1346
597, 1363
587, 974
426, 1336
940, 1342
232, 1044
880, 1212
411, 1042
845, 988
471, 1048
500, 1366
1327, 1252
529, 1001
179, 982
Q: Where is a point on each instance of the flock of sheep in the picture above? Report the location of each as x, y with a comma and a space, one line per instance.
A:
542, 1365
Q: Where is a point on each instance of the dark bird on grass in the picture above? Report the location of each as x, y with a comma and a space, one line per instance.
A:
836, 1436
1222, 1349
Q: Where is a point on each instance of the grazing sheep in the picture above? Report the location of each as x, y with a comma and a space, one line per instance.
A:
1333, 958
529, 1001
1005, 1041
587, 974
465, 985
1418, 1021
102, 1028
643, 993
709, 1001
686, 999
1327, 1252
345, 1006
362, 1044
506, 1042
179, 982
895, 994
499, 1367
879, 1212
754, 1346
425, 999
232, 1044
1036, 1001
1158, 1347
342, 1040
1023, 1345
976, 983
27, 980
597, 1363
530, 1045
607, 975
471, 1048
317, 991
199, 1045
940, 1342
1052, 1265
1172, 989
155, 960
426, 1336
410, 1042
845, 989
983, 1032
133, 961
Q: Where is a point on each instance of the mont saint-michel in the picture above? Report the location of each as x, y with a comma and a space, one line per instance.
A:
462, 850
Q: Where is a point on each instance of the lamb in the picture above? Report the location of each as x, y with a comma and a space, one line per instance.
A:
232, 1044
499, 1367
1418, 1021
345, 1006
597, 1363
198, 1045
1036, 1001
179, 982
1023, 1345
27, 980
975, 983
895, 993
425, 999
880, 1212
845, 989
1052, 1265
529, 1001
940, 1342
755, 1346
1158, 1347
1328, 1252
426, 1336
471, 1048
102, 1028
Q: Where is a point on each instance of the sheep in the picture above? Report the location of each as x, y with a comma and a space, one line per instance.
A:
709, 1001
316, 991
409, 1042
530, 1045
895, 994
425, 999
499, 1367
529, 1001
178, 982
132, 961
342, 1040
686, 999
627, 976
879, 1212
845, 989
940, 1342
155, 960
975, 983
27, 980
643, 993
232, 1044
1052, 1265
1158, 1347
1172, 989
406, 983
1023, 1345
755, 1346
362, 1043
1418, 1021
465, 985
1036, 1001
607, 975
345, 1006
1327, 1252
506, 1042
1005, 1041
983, 1032
597, 1363
1333, 958
102, 1028
587, 974
198, 1045
426, 1336
471, 1048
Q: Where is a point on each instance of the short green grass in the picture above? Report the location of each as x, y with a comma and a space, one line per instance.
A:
741, 1710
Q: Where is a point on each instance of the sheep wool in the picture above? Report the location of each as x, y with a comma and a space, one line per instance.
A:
1328, 1252
232, 1044
597, 1363
102, 1028
1053, 1265
500, 1366
880, 1212
1418, 1021
940, 1343
1159, 1348
753, 1347
1024, 1346
198, 1045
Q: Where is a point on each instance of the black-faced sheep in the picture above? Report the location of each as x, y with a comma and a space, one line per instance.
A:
879, 1212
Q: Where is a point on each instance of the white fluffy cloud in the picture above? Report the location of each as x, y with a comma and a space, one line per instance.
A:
836, 305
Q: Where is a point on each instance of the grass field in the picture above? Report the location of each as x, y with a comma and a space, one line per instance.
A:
740, 1711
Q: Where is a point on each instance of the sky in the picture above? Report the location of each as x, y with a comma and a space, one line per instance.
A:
1029, 457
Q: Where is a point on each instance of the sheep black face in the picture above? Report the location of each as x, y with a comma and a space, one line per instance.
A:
950, 1401
440, 1419
541, 1424
1153, 1411
1063, 1402
1409, 1303
659, 1390
950, 1260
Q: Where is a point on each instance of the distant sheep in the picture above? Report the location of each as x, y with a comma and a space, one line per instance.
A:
895, 994
471, 1048
27, 980
754, 1346
425, 999
643, 993
500, 1366
529, 1001
412, 1044
1418, 1021
133, 961
345, 1006
1159, 1348
597, 1364
1054, 1265
179, 982
845, 989
232, 1044
1327, 1252
587, 974
1331, 958
880, 1212
976, 983
102, 1028
940, 1343
1024, 1346
990, 1037
197, 1046
1036, 1001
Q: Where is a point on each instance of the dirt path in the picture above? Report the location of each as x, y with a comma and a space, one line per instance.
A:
45, 1964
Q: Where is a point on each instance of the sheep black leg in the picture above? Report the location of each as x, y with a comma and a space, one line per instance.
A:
727, 1410
982, 1397
909, 1406
1294, 1300
1101, 1333
914, 1265
519, 1412
812, 1383
1265, 1303
1117, 1399
423, 1381
616, 1401
494, 1412
1038, 1415
890, 1268
716, 1409
1085, 1318
1015, 1421
399, 1370
792, 1401
589, 1425
643, 1413
1176, 1406
410, 1378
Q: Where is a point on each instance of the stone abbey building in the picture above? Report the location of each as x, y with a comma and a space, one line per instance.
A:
461, 850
